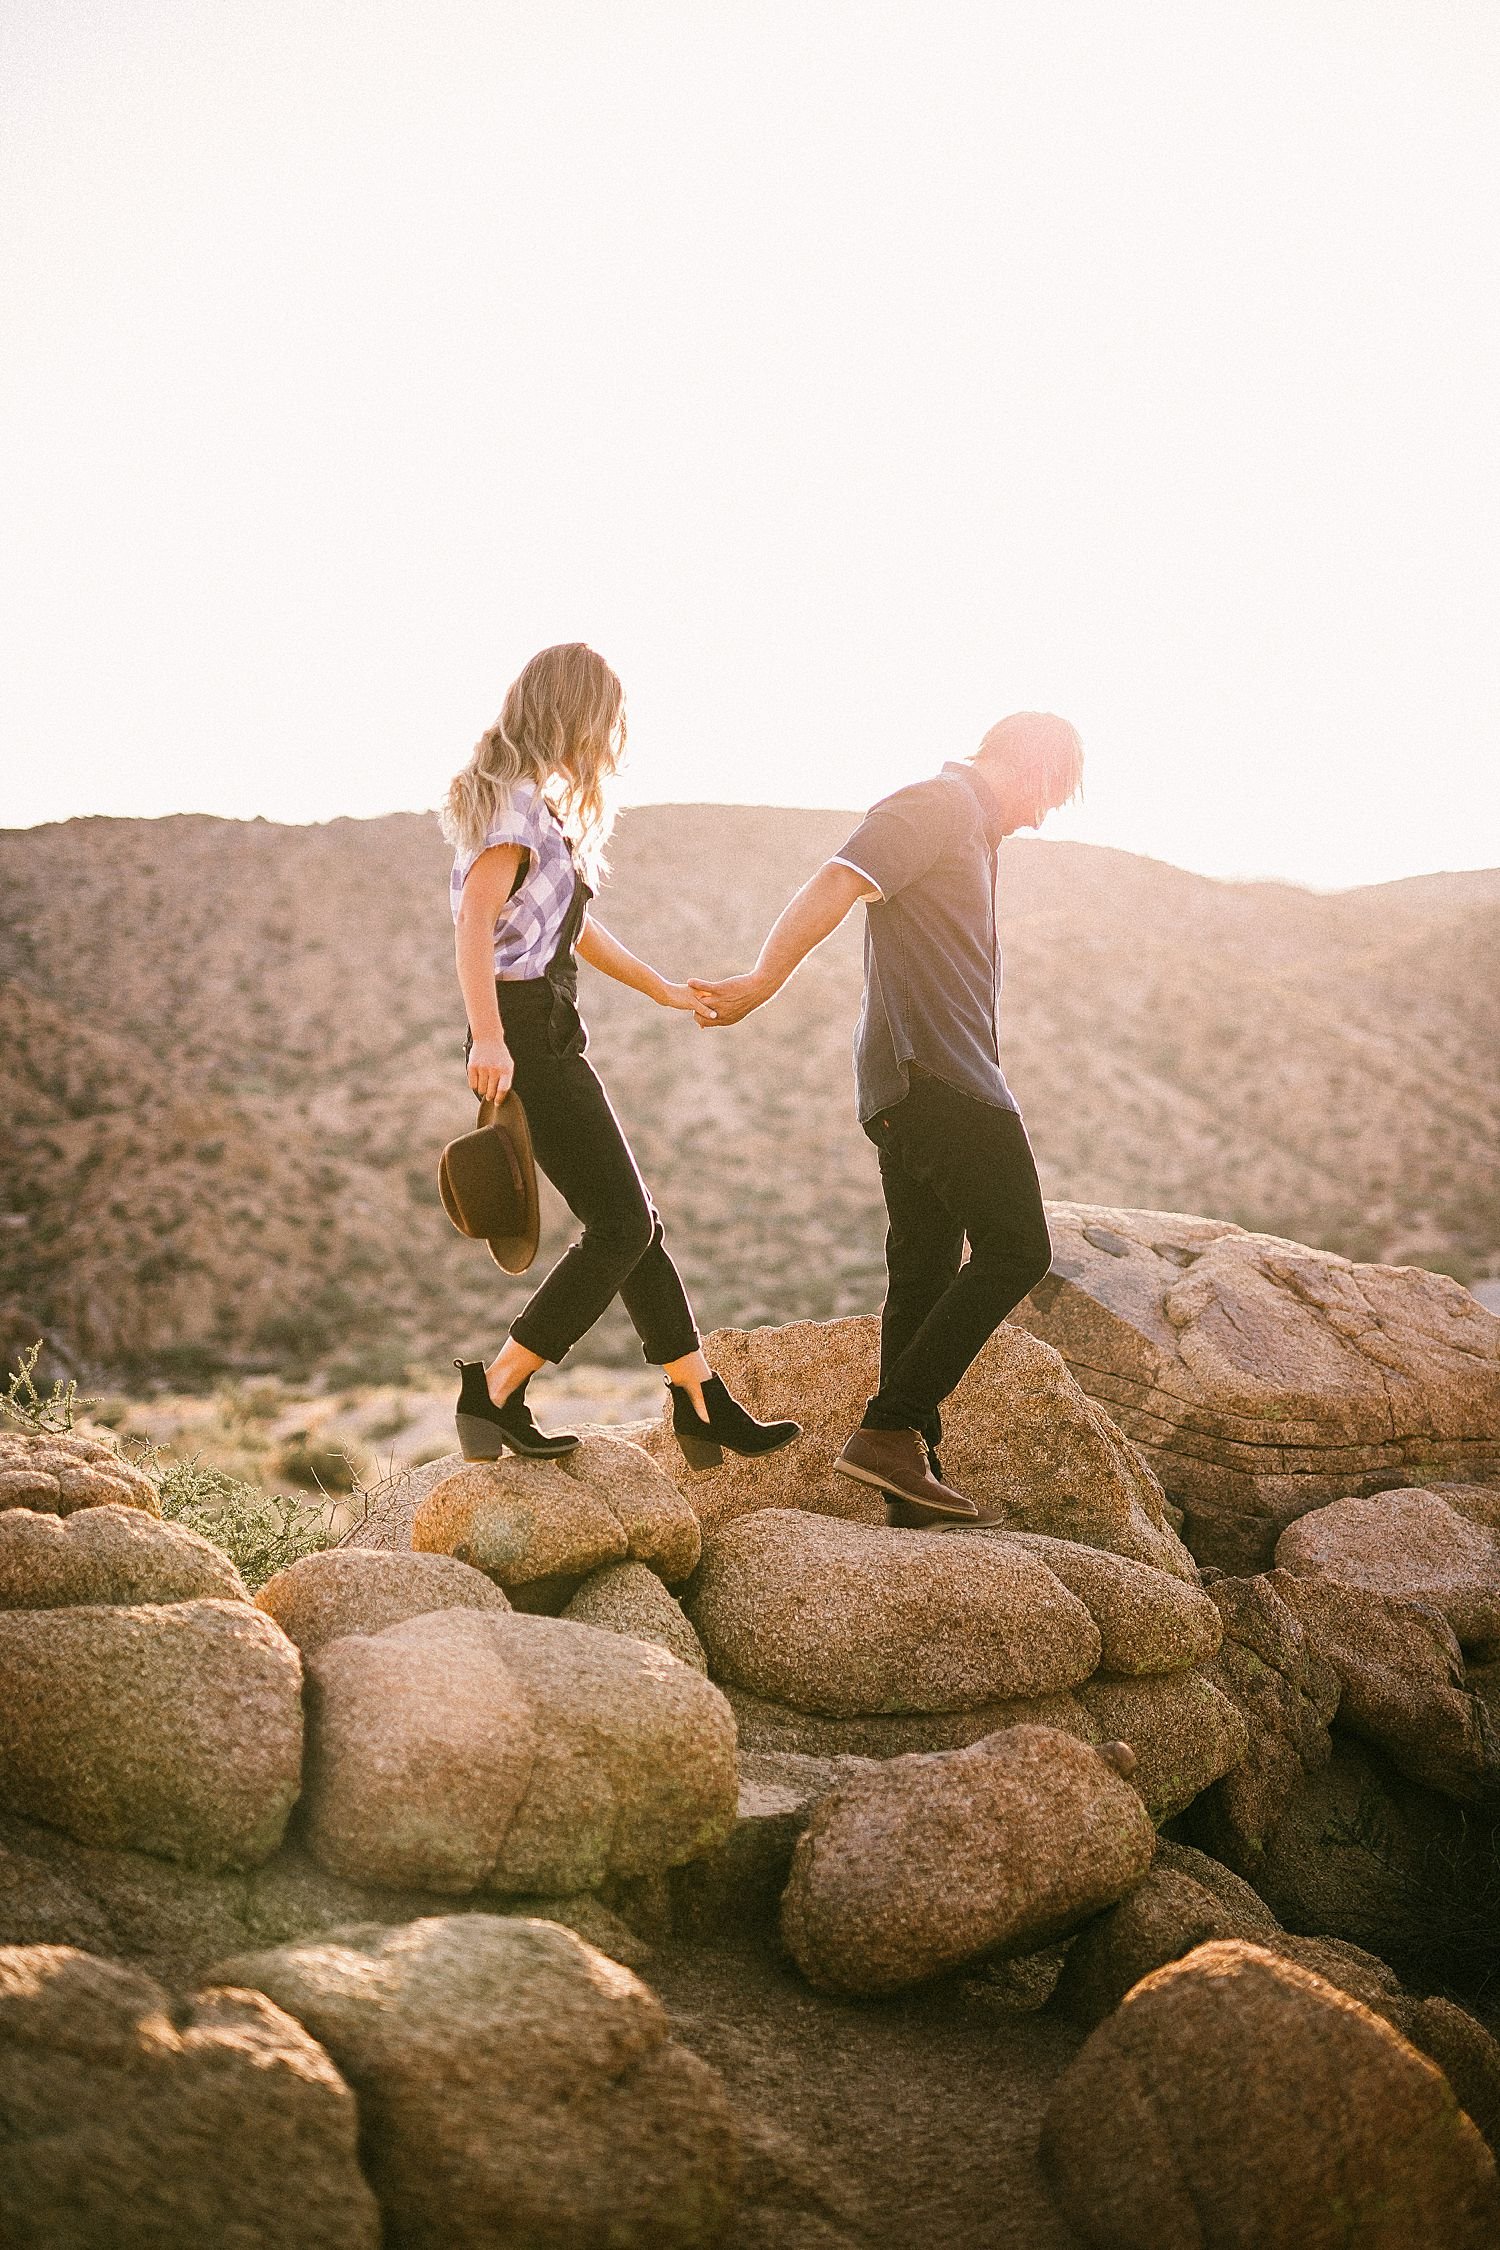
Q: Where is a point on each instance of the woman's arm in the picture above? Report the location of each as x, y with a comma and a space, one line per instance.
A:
485, 897
603, 952
814, 914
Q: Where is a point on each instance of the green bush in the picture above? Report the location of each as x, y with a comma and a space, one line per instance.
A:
317, 1465
261, 1532
53, 1412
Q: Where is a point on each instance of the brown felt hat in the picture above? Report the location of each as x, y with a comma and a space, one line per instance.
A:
487, 1180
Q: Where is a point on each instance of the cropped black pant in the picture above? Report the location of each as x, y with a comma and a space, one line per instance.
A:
581, 1149
951, 1167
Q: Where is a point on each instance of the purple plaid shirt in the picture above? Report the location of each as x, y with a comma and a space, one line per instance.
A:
529, 924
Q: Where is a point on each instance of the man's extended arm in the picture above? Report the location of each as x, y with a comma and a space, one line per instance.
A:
814, 914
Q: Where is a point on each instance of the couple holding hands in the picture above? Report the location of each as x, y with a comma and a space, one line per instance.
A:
528, 817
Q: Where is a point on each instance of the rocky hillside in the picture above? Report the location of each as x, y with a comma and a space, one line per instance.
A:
230, 1052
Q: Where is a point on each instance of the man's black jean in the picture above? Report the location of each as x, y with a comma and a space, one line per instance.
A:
581, 1149
951, 1167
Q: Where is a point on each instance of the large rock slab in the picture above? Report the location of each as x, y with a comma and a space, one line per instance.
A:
1236, 2101
538, 1528
176, 1728
515, 2086
1019, 1436
176, 1923
109, 1554
131, 2121
1441, 1549
343, 1590
1262, 1377
420, 1747
927, 1862
848, 1618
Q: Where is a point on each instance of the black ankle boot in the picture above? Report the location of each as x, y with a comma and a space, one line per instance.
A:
486, 1430
703, 1442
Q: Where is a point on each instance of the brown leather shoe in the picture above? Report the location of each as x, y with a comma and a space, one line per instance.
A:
895, 1462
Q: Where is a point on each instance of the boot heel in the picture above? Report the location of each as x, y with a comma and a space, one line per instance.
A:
479, 1440
700, 1452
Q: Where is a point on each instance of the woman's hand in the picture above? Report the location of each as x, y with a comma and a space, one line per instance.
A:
675, 995
491, 1069
731, 999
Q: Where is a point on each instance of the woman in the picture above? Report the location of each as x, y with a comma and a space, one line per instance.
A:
528, 819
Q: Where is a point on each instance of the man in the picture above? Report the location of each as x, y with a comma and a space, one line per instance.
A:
955, 1162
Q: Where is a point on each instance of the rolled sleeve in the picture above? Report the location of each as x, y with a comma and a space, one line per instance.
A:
515, 823
900, 838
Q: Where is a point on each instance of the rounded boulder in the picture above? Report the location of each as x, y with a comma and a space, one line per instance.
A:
108, 1555
515, 2086
850, 1618
1149, 1621
1414, 1546
926, 1862
1019, 1436
174, 1728
128, 2120
539, 1527
342, 1590
420, 1747
628, 1598
635, 1756
1236, 2101
59, 1474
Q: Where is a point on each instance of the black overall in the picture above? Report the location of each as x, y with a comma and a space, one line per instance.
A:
582, 1151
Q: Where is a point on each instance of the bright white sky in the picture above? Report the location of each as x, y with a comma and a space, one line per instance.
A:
849, 371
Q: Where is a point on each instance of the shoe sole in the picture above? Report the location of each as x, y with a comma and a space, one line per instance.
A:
708, 1453
479, 1440
942, 1518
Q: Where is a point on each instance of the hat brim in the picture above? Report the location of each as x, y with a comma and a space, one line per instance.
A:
514, 1252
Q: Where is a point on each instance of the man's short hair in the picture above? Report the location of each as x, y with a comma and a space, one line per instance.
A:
1041, 746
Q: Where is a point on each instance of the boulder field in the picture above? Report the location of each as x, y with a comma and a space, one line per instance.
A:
1035, 1884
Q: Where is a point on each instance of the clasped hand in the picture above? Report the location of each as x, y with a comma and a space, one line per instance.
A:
726, 1001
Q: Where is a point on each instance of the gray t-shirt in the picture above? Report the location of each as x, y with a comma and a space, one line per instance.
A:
932, 951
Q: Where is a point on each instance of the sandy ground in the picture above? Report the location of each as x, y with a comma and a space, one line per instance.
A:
906, 2124
256, 1430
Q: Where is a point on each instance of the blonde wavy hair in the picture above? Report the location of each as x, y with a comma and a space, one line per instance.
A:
562, 728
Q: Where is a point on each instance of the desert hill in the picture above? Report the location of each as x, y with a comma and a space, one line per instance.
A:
230, 1052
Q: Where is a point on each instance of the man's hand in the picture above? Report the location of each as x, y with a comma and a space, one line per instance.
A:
490, 1069
817, 910
719, 1005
